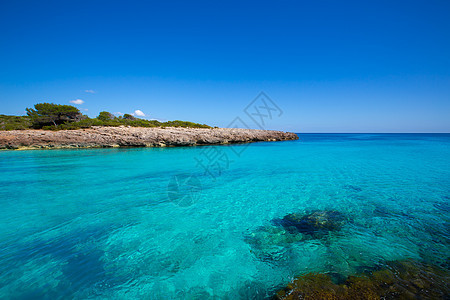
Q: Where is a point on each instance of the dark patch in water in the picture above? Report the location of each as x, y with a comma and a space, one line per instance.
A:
271, 243
381, 211
384, 212
444, 207
36, 294
352, 188
317, 224
83, 267
251, 291
337, 278
406, 279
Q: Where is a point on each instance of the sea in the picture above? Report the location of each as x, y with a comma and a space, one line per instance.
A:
203, 222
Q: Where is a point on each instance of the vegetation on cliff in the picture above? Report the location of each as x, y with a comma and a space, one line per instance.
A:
14, 122
51, 116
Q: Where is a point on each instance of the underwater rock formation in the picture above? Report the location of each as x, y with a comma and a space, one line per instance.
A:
406, 279
271, 243
315, 224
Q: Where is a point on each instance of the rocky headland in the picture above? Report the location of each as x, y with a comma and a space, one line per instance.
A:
125, 136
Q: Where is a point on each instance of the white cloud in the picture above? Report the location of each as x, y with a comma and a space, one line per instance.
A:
118, 113
139, 113
85, 109
78, 101
89, 91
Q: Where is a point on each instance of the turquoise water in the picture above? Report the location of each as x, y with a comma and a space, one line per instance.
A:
155, 224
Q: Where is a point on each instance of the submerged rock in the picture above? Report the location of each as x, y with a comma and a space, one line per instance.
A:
315, 224
271, 243
397, 280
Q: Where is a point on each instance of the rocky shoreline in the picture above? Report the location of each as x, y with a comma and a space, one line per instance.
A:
125, 136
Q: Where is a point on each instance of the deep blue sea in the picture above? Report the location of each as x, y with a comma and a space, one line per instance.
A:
198, 222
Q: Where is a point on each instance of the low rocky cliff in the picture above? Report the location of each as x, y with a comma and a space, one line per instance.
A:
135, 137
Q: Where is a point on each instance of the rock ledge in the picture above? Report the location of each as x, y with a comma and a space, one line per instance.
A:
124, 136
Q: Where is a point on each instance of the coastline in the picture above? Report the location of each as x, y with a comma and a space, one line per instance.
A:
125, 136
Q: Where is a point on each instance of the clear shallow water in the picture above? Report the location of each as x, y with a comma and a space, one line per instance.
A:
149, 223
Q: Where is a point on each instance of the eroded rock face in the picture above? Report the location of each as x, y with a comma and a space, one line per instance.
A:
315, 224
135, 137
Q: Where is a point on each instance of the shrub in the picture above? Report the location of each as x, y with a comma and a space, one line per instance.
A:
14, 122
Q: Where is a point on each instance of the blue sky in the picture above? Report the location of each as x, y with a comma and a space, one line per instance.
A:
331, 66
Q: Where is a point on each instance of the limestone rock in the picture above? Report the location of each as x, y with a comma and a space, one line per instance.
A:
135, 137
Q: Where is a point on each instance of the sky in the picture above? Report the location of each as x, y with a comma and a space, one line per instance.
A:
328, 66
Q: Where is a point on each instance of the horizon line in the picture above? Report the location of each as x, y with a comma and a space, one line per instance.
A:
371, 132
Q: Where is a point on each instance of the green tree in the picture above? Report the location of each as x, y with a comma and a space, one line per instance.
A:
105, 116
129, 117
49, 113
